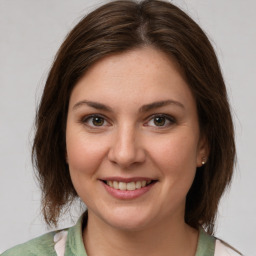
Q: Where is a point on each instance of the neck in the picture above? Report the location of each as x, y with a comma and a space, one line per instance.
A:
166, 238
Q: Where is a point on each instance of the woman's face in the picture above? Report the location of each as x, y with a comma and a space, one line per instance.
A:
133, 139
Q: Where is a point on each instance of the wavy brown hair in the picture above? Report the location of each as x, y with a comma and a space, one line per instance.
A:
117, 27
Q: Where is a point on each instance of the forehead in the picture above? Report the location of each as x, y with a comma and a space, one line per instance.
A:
140, 75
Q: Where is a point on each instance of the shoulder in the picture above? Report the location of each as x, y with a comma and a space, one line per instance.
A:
42, 245
210, 245
54, 243
224, 249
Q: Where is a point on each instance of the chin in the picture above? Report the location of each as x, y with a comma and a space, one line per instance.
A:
128, 218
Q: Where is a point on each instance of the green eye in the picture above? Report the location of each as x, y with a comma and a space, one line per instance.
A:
97, 121
159, 121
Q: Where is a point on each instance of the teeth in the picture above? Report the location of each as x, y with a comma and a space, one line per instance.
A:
115, 184
122, 186
138, 184
128, 186
143, 183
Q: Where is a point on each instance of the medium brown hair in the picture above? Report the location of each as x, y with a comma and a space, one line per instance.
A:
117, 27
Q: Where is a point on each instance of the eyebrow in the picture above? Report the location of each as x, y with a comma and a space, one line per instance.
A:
144, 108
159, 104
92, 104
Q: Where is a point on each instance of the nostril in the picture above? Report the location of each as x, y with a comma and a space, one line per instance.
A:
126, 150
126, 158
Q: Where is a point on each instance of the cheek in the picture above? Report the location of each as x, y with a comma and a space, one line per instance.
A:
175, 159
84, 153
176, 154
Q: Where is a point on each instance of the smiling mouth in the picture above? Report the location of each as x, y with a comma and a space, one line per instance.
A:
128, 186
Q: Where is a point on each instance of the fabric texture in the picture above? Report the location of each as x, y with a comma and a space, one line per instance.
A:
43, 245
69, 242
223, 249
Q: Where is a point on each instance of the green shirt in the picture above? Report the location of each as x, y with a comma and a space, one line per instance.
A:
44, 245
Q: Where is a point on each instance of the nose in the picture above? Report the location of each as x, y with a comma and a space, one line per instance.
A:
126, 149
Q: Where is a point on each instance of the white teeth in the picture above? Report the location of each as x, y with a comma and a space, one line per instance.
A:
122, 186
138, 184
115, 184
110, 183
128, 186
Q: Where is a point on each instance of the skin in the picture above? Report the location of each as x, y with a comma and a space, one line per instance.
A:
129, 142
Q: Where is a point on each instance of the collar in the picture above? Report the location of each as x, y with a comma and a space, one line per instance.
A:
75, 245
205, 244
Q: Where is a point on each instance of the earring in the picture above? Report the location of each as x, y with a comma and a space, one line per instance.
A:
203, 161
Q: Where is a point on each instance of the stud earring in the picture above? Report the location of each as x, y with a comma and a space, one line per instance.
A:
203, 161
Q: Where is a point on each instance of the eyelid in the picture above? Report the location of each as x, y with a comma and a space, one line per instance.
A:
84, 120
170, 118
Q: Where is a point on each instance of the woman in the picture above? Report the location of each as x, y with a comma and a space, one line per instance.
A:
131, 122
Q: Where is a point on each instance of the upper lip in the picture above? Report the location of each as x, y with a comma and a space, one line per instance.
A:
126, 180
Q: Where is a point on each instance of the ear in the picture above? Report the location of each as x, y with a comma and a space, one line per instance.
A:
202, 151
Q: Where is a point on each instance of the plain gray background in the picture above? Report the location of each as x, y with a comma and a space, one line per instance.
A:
30, 34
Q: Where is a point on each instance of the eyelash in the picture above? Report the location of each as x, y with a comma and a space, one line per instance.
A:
167, 118
86, 119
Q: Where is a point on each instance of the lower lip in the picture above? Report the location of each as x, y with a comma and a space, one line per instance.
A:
128, 194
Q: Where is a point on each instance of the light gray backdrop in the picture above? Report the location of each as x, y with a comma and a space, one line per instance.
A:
30, 34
